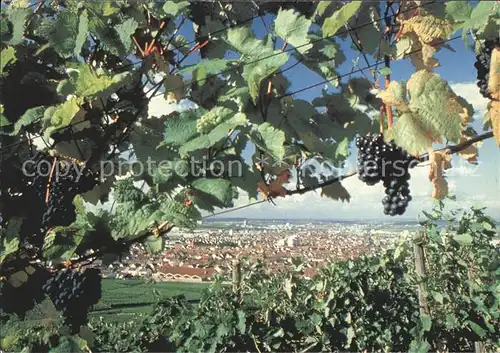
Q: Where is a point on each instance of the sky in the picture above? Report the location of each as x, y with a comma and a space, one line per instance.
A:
473, 185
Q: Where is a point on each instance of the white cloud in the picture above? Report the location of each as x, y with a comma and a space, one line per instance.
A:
470, 92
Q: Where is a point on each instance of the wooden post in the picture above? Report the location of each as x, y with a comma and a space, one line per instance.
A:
418, 252
478, 346
236, 276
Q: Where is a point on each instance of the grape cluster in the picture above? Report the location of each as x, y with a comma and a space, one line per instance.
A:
386, 162
62, 190
482, 65
369, 158
73, 293
207, 122
65, 183
20, 298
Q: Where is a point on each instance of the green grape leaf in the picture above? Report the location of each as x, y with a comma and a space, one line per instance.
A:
463, 239
426, 322
293, 28
482, 20
438, 107
31, 116
4, 121
174, 8
154, 244
105, 8
458, 11
10, 242
82, 33
336, 192
269, 139
7, 57
368, 28
84, 82
243, 40
60, 116
125, 31
340, 17
219, 133
256, 72
67, 33
209, 67
410, 134
73, 344
221, 189
17, 17
241, 323
181, 127
61, 242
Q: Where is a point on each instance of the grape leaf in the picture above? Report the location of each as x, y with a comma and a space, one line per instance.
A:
181, 127
409, 133
293, 28
125, 30
367, 26
84, 81
494, 116
7, 57
105, 8
483, 14
494, 78
4, 121
29, 117
61, 243
439, 161
458, 11
221, 189
395, 96
269, 139
438, 107
154, 244
82, 33
61, 115
220, 132
10, 242
336, 192
67, 34
174, 8
17, 17
174, 88
213, 66
340, 17
256, 72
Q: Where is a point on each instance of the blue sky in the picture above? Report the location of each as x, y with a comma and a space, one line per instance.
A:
473, 185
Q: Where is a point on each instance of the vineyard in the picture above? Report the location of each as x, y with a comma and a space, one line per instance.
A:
76, 119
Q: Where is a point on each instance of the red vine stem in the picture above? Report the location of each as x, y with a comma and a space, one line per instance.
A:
47, 193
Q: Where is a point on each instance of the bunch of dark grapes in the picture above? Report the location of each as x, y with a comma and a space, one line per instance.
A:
482, 65
17, 296
63, 188
73, 293
396, 176
369, 158
379, 161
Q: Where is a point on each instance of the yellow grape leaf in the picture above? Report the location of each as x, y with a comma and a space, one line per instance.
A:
494, 80
470, 153
174, 88
395, 95
439, 161
428, 28
494, 115
427, 31
336, 192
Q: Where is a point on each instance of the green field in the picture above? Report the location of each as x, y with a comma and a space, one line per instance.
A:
123, 298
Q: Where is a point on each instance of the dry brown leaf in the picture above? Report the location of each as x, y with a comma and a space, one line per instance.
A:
470, 153
439, 161
336, 192
274, 189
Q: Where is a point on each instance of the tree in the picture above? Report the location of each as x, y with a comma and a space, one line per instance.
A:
78, 76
